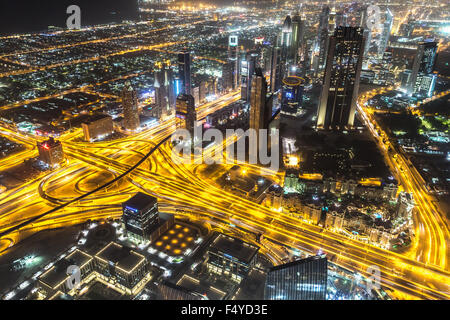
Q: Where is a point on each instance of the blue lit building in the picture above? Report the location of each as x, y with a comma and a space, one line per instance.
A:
304, 279
292, 93
140, 216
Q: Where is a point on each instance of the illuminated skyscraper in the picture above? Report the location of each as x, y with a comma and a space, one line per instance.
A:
337, 103
422, 66
184, 70
322, 38
298, 31
233, 58
367, 32
260, 103
130, 107
304, 279
275, 69
164, 92
386, 32
185, 115
286, 39
247, 69
291, 95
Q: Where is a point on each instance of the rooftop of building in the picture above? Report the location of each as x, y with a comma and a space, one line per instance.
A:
140, 201
120, 256
96, 117
299, 262
234, 247
56, 274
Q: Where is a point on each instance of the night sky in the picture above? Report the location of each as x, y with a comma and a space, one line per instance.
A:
19, 16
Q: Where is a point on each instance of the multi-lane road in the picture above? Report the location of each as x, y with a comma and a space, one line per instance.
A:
89, 166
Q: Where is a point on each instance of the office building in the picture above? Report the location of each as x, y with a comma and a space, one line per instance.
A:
322, 38
275, 69
231, 257
185, 114
423, 63
423, 86
50, 152
337, 103
298, 31
386, 32
184, 71
304, 279
367, 34
55, 279
164, 92
291, 95
97, 127
286, 39
127, 267
246, 73
140, 215
233, 60
260, 103
131, 120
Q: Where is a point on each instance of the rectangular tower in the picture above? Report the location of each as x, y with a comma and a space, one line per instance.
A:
340, 87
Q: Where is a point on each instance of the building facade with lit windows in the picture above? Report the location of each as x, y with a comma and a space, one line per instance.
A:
185, 114
130, 108
291, 95
304, 279
337, 105
184, 71
55, 278
98, 126
50, 152
140, 215
231, 257
127, 268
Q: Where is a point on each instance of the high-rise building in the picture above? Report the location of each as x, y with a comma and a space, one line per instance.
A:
367, 34
140, 215
424, 84
233, 59
286, 38
50, 152
423, 63
260, 109
164, 92
298, 31
386, 32
275, 69
341, 19
247, 69
304, 279
291, 95
185, 114
130, 108
337, 103
322, 38
184, 70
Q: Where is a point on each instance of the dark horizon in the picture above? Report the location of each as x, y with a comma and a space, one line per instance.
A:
28, 16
